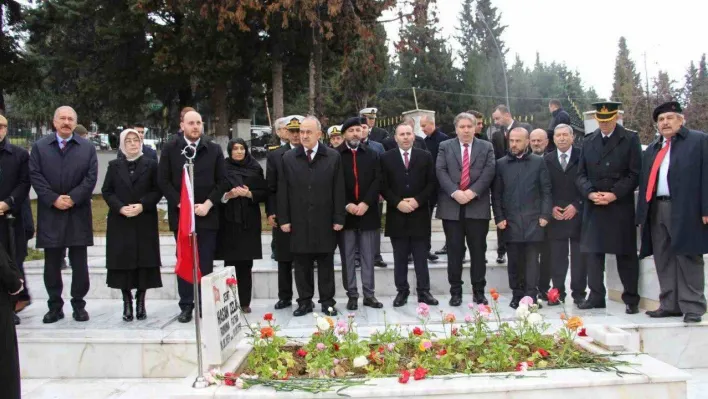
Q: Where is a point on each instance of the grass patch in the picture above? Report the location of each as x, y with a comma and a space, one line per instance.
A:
34, 254
99, 210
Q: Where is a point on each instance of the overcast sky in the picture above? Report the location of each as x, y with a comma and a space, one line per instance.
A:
584, 34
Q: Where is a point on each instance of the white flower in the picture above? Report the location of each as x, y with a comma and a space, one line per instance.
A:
239, 383
330, 309
322, 324
534, 318
522, 311
355, 324
315, 315
360, 361
254, 326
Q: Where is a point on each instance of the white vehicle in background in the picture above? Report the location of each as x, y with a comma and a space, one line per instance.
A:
152, 143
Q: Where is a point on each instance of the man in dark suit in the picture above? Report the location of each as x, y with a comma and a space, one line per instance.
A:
63, 171
564, 227
500, 140
376, 133
311, 209
14, 197
408, 181
465, 171
433, 137
672, 210
208, 174
522, 208
281, 240
362, 178
608, 174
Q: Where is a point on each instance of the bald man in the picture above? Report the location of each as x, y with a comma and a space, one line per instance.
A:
63, 171
208, 174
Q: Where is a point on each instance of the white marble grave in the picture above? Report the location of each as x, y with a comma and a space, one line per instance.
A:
221, 321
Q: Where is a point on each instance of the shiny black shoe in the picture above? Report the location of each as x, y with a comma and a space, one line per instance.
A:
432, 257
128, 310
80, 315
53, 316
400, 300
661, 313
16, 319
140, 312
501, 259
514, 304
331, 313
691, 318
480, 299
442, 251
456, 300
631, 309
282, 304
372, 302
303, 309
353, 304
186, 315
380, 263
427, 299
587, 304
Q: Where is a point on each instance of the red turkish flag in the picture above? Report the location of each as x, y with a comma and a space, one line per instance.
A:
185, 265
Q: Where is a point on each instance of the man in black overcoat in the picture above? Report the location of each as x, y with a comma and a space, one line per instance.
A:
274, 172
608, 174
563, 230
408, 181
63, 171
311, 209
672, 210
208, 175
11, 285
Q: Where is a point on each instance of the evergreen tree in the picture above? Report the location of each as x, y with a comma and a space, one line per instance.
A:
663, 89
697, 105
627, 89
15, 70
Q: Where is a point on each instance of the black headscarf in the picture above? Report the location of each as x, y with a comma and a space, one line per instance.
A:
236, 173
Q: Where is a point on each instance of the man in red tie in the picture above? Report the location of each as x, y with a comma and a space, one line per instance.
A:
465, 171
672, 210
608, 174
361, 227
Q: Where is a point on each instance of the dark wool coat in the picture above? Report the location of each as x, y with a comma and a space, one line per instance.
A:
564, 192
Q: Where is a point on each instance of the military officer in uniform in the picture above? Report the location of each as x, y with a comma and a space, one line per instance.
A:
274, 165
608, 173
335, 136
376, 134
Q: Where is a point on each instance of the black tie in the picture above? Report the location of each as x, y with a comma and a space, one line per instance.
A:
309, 155
605, 139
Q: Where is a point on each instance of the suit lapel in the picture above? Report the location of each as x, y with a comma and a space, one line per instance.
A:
458, 152
475, 152
556, 163
574, 158
612, 143
141, 168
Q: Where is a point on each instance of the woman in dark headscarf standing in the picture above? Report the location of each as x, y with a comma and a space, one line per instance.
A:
239, 241
10, 285
132, 237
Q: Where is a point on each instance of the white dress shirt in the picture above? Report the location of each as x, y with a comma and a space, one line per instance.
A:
662, 188
314, 150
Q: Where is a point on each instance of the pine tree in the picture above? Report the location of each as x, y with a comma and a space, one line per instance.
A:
697, 86
627, 89
663, 89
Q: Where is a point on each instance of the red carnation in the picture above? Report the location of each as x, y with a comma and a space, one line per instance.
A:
404, 377
336, 346
419, 373
268, 317
231, 281
553, 295
543, 353
417, 331
582, 333
301, 352
442, 352
454, 331
381, 349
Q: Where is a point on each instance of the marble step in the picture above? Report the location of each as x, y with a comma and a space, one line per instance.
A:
265, 278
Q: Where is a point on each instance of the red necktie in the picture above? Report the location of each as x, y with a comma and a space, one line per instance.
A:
309, 155
465, 179
405, 159
356, 177
651, 185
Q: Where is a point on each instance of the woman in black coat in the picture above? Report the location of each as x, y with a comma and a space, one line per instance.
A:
239, 239
10, 285
132, 239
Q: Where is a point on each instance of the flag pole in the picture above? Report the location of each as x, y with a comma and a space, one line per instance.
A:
200, 381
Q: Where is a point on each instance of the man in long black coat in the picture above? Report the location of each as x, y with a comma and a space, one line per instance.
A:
564, 227
608, 174
311, 208
63, 171
521, 199
274, 172
408, 181
672, 209
14, 191
362, 175
208, 175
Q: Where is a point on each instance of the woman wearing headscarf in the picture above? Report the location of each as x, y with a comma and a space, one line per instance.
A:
10, 286
239, 241
132, 239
